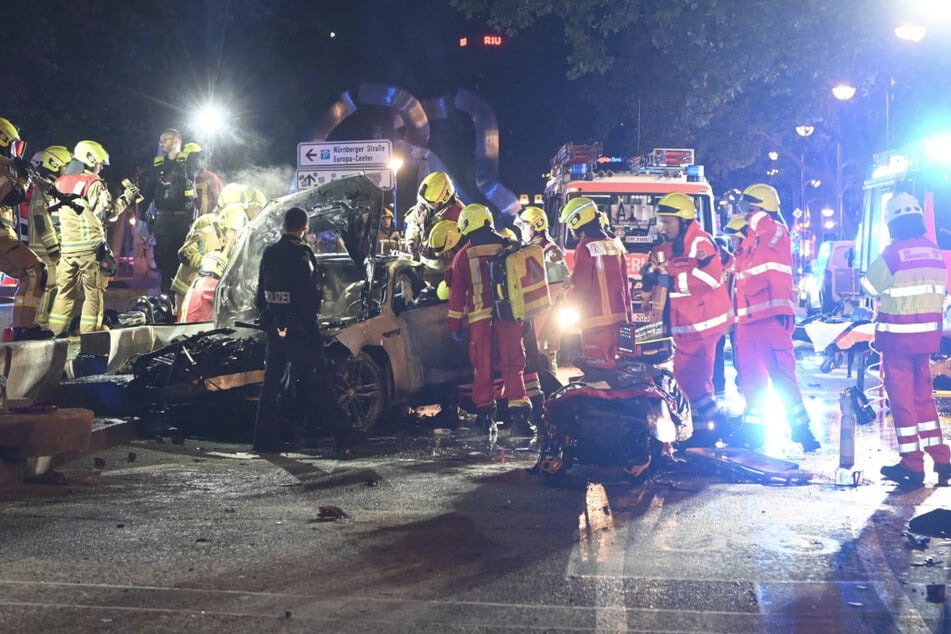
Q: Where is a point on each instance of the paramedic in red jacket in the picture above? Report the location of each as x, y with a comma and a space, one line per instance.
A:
598, 288
700, 307
765, 301
472, 299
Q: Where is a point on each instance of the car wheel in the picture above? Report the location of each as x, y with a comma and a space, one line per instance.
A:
361, 390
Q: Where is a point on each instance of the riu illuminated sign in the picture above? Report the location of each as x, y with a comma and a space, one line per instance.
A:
489, 40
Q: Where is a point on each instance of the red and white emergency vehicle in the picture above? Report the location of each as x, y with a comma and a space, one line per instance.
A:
627, 191
923, 170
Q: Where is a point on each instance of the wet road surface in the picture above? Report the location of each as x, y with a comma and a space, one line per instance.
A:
447, 532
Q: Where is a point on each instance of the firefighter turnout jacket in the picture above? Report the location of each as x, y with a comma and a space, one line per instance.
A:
471, 295
909, 279
764, 274
599, 286
699, 301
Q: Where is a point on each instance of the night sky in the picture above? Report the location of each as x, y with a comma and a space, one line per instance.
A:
121, 72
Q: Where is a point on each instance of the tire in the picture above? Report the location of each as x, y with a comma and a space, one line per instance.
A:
361, 391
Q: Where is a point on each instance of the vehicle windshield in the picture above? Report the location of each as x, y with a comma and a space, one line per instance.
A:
632, 218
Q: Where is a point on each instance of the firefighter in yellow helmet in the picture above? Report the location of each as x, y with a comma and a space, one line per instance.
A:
203, 236
388, 237
699, 306
84, 237
444, 240
43, 232
599, 286
211, 233
436, 200
16, 259
471, 301
765, 305
255, 199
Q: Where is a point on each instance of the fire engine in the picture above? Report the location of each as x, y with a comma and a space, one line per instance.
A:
921, 169
626, 190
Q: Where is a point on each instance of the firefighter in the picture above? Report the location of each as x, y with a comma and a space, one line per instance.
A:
598, 286
16, 259
909, 279
765, 304
170, 186
199, 301
84, 238
208, 185
43, 235
472, 299
444, 242
203, 236
534, 224
288, 300
700, 310
388, 236
436, 200
255, 200
733, 233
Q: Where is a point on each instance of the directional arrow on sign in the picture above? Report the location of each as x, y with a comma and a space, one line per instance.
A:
306, 180
310, 154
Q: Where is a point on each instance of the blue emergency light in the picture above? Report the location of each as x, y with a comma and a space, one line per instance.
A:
579, 169
695, 174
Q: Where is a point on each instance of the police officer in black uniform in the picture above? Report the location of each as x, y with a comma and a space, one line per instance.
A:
288, 299
170, 185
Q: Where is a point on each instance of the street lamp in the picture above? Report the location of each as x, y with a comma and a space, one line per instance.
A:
803, 131
395, 164
842, 92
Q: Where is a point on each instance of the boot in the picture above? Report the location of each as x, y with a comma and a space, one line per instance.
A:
520, 421
907, 479
944, 474
485, 420
803, 435
31, 333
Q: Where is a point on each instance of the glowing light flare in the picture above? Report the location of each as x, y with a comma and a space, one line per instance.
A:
827, 212
774, 156
210, 120
568, 317
910, 32
843, 92
395, 164
805, 130
938, 148
829, 225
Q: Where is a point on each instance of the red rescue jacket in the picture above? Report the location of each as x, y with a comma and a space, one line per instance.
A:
599, 288
764, 274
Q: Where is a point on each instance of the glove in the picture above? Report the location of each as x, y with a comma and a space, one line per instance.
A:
53, 253
459, 336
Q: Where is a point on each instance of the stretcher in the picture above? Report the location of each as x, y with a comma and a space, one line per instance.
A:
747, 465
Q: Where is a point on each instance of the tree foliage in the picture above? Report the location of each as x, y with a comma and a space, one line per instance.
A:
730, 77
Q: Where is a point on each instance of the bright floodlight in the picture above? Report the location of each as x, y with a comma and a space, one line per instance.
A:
911, 32
938, 148
805, 130
395, 164
210, 120
843, 92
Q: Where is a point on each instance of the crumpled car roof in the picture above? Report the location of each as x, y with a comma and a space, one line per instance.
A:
349, 207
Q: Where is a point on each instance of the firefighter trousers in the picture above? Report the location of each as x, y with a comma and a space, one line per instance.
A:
765, 353
499, 342
78, 278
693, 370
909, 385
199, 302
19, 261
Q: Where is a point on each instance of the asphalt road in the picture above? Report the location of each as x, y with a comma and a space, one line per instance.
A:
449, 533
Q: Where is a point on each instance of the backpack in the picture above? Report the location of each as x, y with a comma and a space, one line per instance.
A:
520, 283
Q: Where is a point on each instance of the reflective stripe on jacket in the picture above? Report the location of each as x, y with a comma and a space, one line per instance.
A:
699, 301
471, 295
599, 289
764, 274
909, 279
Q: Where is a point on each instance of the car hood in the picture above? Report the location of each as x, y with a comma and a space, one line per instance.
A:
349, 207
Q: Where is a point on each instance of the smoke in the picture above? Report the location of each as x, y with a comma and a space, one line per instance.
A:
274, 181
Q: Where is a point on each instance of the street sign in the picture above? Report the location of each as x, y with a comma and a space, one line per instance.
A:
307, 178
374, 153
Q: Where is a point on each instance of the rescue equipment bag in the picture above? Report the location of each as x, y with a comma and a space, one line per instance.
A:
107, 260
520, 283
